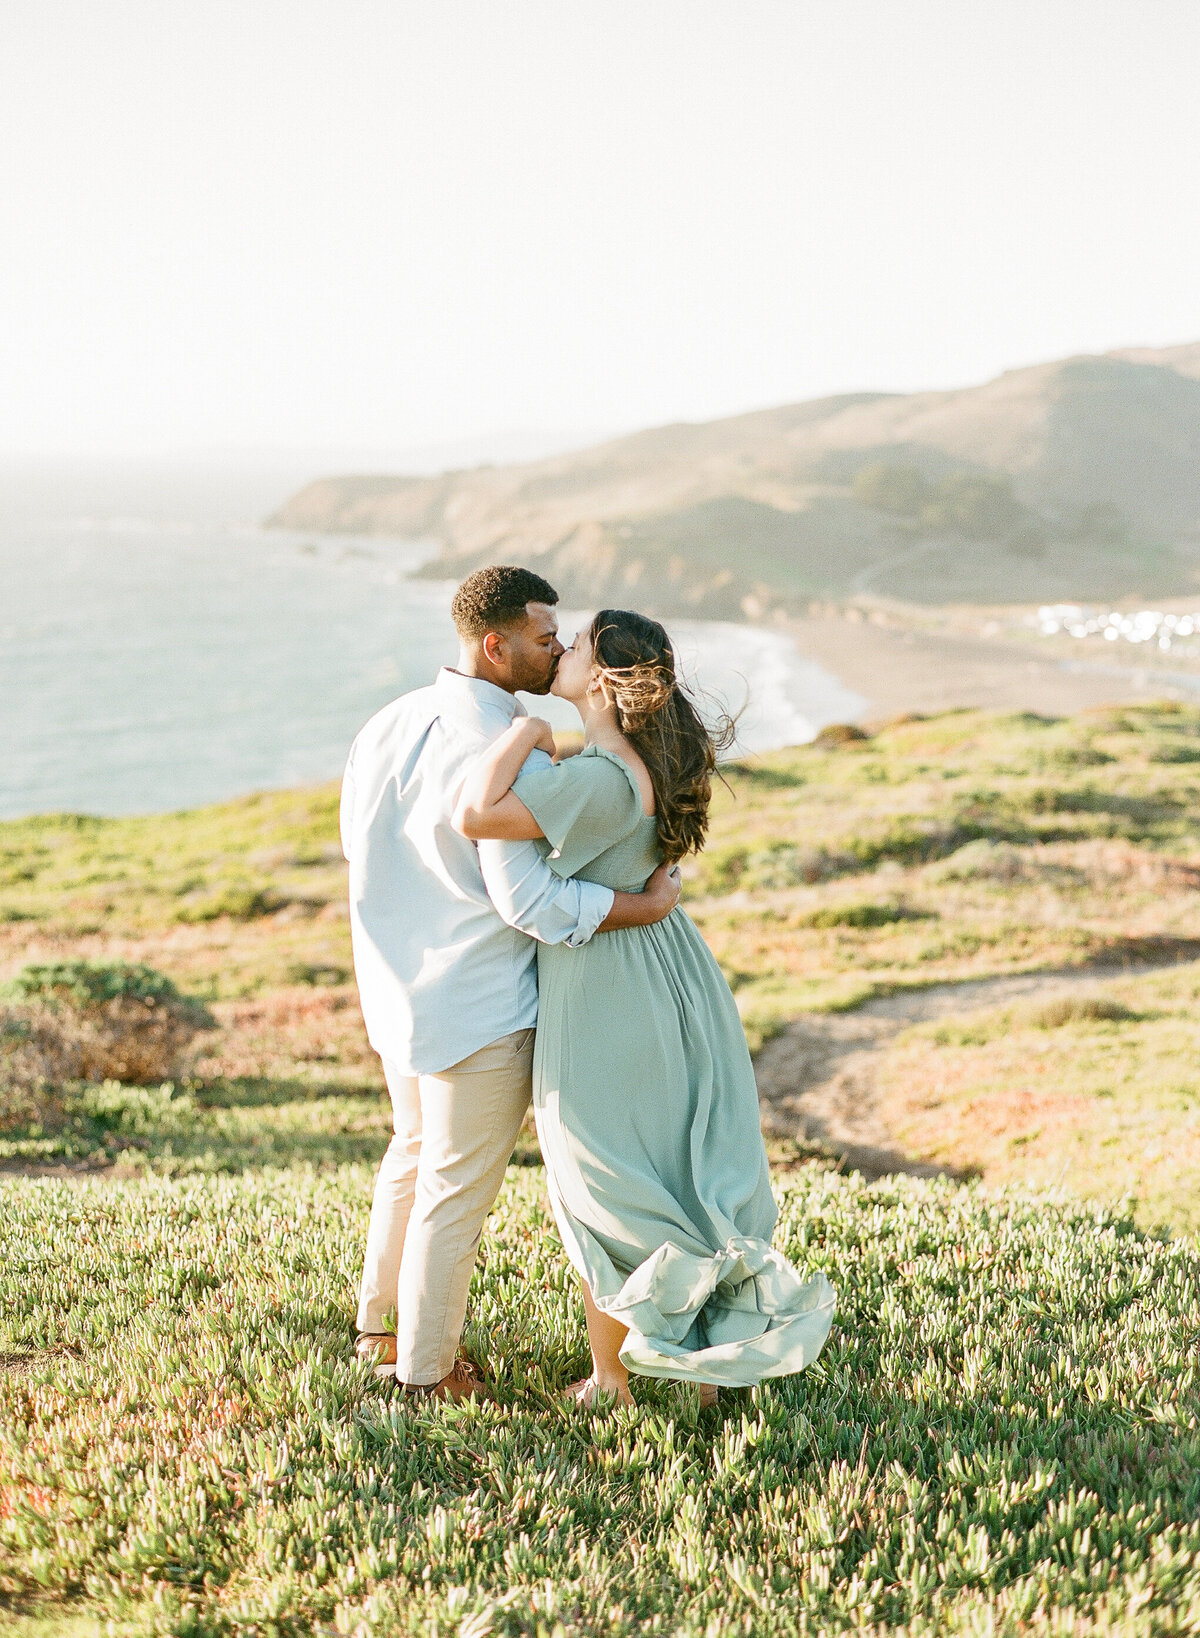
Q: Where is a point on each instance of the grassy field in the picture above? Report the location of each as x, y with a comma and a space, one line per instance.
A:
1003, 1434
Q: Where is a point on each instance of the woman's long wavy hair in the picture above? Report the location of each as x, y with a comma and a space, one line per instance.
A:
636, 664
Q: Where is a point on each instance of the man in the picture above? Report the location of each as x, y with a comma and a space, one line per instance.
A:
444, 937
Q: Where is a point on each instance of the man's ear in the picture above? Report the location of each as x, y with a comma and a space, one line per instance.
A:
493, 647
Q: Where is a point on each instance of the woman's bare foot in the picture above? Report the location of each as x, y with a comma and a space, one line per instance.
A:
587, 1391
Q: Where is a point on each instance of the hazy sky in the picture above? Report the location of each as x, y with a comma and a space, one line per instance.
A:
359, 224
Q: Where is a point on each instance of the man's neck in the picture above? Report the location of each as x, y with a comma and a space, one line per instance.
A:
477, 667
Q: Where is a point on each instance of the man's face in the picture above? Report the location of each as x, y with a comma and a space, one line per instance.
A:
528, 655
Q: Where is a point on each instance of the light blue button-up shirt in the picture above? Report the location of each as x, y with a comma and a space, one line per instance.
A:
444, 929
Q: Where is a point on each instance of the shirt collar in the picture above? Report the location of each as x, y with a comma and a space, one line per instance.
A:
454, 689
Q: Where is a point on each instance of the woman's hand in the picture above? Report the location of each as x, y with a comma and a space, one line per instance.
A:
542, 735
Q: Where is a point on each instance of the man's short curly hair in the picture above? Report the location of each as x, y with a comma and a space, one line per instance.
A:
494, 599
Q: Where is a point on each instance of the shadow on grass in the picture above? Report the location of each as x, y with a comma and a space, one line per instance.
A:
48, 1618
1012, 1391
265, 1092
1145, 950
226, 1126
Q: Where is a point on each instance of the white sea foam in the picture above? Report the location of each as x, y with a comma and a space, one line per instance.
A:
778, 697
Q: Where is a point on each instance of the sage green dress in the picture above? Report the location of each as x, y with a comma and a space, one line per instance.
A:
647, 1113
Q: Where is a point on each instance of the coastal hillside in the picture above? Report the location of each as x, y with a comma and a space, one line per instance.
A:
965, 945
966, 942
1078, 479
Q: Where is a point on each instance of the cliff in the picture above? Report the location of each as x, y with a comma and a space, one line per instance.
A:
1069, 480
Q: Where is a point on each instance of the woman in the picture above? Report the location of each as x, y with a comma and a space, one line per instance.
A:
644, 1093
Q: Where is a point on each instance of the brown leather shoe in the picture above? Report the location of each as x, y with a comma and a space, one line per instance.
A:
378, 1349
479, 1370
462, 1382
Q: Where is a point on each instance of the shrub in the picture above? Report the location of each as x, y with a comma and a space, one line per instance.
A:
835, 734
901, 490
785, 865
766, 778
91, 983
317, 973
982, 860
241, 902
1064, 758
899, 719
905, 838
978, 505
90, 1021
774, 868
1079, 1009
724, 867
861, 915
778, 866
34, 1061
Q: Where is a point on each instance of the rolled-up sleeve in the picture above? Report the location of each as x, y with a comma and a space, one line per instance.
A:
529, 896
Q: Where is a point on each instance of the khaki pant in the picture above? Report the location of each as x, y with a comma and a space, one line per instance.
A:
454, 1134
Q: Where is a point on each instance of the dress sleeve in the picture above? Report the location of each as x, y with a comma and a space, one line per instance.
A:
584, 805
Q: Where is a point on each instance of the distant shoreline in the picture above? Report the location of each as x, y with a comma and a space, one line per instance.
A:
255, 658
904, 663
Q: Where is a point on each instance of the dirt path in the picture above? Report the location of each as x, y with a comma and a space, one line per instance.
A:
817, 1079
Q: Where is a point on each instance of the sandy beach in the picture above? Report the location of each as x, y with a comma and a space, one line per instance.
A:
923, 662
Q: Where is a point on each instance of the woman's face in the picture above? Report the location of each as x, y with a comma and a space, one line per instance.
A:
574, 670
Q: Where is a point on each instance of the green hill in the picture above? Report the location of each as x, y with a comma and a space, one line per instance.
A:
953, 854
1076, 479
1001, 1437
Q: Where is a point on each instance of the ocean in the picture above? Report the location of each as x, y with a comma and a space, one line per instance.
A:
153, 661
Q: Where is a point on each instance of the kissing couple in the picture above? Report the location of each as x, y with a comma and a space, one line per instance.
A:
517, 936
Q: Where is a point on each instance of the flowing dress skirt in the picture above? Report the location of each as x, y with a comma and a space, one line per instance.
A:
647, 1113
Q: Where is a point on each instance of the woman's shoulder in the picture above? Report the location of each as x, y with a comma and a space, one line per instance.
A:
591, 781
612, 770
584, 805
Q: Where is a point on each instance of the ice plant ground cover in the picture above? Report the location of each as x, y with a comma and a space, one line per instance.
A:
1000, 1438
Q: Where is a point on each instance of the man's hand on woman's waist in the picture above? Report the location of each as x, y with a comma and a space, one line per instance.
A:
653, 904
